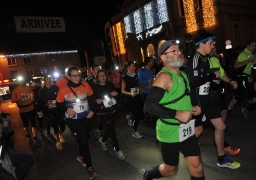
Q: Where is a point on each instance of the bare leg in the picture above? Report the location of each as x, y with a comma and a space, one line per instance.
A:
219, 135
198, 131
195, 166
167, 170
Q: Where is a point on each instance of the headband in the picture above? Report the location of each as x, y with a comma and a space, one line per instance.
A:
204, 40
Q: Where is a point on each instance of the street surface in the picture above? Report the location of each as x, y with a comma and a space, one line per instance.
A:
52, 164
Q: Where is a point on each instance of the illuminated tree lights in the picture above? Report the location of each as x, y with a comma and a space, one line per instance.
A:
208, 13
120, 38
190, 15
113, 41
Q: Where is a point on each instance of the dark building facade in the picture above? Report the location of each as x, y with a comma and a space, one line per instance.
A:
152, 22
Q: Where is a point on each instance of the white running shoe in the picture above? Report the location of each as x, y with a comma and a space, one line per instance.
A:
136, 134
121, 155
103, 144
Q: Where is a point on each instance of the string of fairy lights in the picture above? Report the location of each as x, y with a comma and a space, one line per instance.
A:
37, 54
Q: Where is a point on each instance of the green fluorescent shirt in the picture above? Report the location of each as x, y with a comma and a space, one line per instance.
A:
215, 63
244, 56
170, 133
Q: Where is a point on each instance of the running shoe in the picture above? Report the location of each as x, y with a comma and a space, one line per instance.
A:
121, 155
245, 112
59, 146
231, 150
130, 120
225, 162
62, 140
142, 172
136, 134
103, 144
81, 160
29, 138
38, 142
97, 133
91, 172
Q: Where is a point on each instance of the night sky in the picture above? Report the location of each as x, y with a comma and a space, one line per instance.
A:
92, 13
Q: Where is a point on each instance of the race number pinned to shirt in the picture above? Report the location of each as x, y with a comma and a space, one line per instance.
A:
80, 106
25, 96
195, 73
204, 89
187, 130
135, 90
53, 104
109, 102
40, 114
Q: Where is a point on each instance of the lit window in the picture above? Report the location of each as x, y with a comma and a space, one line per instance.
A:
127, 24
162, 11
137, 22
148, 15
12, 61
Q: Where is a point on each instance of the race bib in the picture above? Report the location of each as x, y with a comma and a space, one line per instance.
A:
135, 90
204, 89
54, 104
80, 106
25, 96
250, 79
40, 114
187, 130
109, 102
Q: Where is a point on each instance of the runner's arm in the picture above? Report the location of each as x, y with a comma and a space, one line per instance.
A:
152, 105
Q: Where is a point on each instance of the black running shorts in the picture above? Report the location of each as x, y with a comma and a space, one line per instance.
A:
207, 113
170, 151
